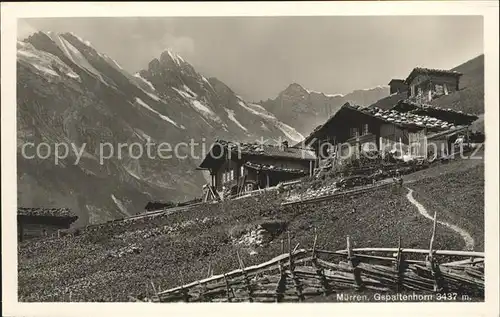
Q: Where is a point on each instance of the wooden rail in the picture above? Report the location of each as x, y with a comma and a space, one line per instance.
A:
299, 275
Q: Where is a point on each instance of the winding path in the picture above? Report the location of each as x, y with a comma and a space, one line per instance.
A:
469, 241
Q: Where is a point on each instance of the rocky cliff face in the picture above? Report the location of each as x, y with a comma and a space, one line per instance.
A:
70, 94
305, 109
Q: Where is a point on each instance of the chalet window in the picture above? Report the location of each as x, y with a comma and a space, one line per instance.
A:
439, 90
365, 129
242, 171
353, 132
231, 175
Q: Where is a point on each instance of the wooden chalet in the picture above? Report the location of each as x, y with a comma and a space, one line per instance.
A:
353, 129
397, 86
244, 167
426, 84
38, 222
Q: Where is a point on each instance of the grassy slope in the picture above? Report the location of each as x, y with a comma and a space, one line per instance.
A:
456, 192
82, 264
458, 198
389, 101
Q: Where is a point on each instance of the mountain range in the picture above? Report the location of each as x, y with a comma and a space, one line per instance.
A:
305, 109
70, 93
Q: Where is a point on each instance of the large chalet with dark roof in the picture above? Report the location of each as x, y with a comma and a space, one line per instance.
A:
353, 129
410, 123
249, 166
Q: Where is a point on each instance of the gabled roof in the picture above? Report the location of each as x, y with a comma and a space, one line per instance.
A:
430, 71
403, 119
396, 81
46, 212
450, 115
242, 150
393, 116
447, 133
273, 168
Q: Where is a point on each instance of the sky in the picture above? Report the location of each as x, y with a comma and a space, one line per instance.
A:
260, 56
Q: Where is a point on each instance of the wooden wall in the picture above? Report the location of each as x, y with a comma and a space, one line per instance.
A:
251, 174
427, 84
397, 87
40, 226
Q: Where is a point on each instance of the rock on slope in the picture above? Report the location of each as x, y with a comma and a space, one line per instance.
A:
68, 92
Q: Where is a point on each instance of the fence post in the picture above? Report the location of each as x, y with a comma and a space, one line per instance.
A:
314, 244
247, 281
281, 284
431, 261
210, 270
228, 289
319, 270
353, 262
400, 265
202, 290
292, 268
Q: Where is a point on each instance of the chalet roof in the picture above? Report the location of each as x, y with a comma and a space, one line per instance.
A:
393, 116
396, 81
46, 212
273, 168
430, 71
239, 149
447, 133
448, 114
405, 119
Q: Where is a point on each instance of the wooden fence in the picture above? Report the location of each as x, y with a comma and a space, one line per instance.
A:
307, 274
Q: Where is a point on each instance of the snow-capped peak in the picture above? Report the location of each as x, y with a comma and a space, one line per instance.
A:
373, 88
298, 87
44, 63
175, 57
309, 91
81, 40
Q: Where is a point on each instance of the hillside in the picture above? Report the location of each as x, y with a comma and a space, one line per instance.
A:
305, 109
69, 93
470, 97
113, 261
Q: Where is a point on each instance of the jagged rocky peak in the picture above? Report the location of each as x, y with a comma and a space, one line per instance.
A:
153, 67
219, 86
41, 40
295, 88
169, 58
